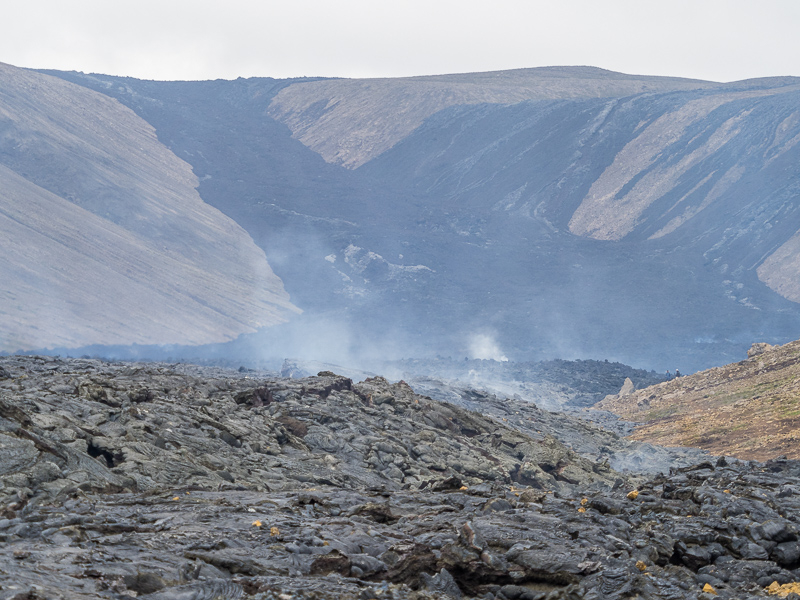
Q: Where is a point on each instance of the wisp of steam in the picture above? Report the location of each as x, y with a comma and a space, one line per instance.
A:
483, 346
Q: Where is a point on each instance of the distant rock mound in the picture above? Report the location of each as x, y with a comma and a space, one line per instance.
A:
626, 390
758, 348
627, 387
552, 384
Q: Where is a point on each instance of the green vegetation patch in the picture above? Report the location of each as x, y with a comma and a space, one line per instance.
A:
751, 393
661, 413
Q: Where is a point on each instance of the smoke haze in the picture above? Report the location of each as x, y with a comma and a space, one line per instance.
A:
483, 346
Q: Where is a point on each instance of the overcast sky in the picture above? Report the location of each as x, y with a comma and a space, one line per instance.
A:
720, 40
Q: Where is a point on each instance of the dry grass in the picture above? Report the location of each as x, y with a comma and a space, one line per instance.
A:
750, 409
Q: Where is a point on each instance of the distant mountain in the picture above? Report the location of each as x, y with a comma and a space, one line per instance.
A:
561, 212
103, 236
351, 121
749, 409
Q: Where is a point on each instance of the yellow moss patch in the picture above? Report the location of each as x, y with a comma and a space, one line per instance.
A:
784, 590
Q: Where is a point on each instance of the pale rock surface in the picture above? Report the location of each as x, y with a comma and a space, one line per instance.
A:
104, 237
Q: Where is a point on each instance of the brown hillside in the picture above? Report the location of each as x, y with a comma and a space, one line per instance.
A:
749, 409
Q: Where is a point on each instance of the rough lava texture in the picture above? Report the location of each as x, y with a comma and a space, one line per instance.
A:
597, 435
522, 396
176, 482
551, 384
155, 426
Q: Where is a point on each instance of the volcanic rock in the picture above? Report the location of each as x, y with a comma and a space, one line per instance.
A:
388, 494
758, 348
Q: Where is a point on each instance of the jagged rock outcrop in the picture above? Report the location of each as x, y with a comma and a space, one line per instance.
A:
758, 348
185, 482
627, 388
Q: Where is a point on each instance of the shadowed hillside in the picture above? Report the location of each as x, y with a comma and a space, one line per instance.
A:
565, 212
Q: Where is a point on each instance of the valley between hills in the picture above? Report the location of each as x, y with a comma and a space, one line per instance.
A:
565, 212
482, 278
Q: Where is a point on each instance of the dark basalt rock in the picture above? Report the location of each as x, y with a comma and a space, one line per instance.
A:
335, 489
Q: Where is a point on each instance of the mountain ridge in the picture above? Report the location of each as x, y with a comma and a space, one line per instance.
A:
350, 121
463, 226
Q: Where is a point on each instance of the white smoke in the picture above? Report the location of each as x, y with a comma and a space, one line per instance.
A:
484, 347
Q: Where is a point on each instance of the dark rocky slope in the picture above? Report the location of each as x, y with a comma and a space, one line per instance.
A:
552, 384
597, 435
371, 435
172, 482
522, 396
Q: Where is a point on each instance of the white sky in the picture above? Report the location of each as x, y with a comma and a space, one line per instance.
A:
720, 40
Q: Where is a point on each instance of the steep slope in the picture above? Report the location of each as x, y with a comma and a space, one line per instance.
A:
749, 409
508, 181
686, 153
105, 239
351, 121
663, 153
